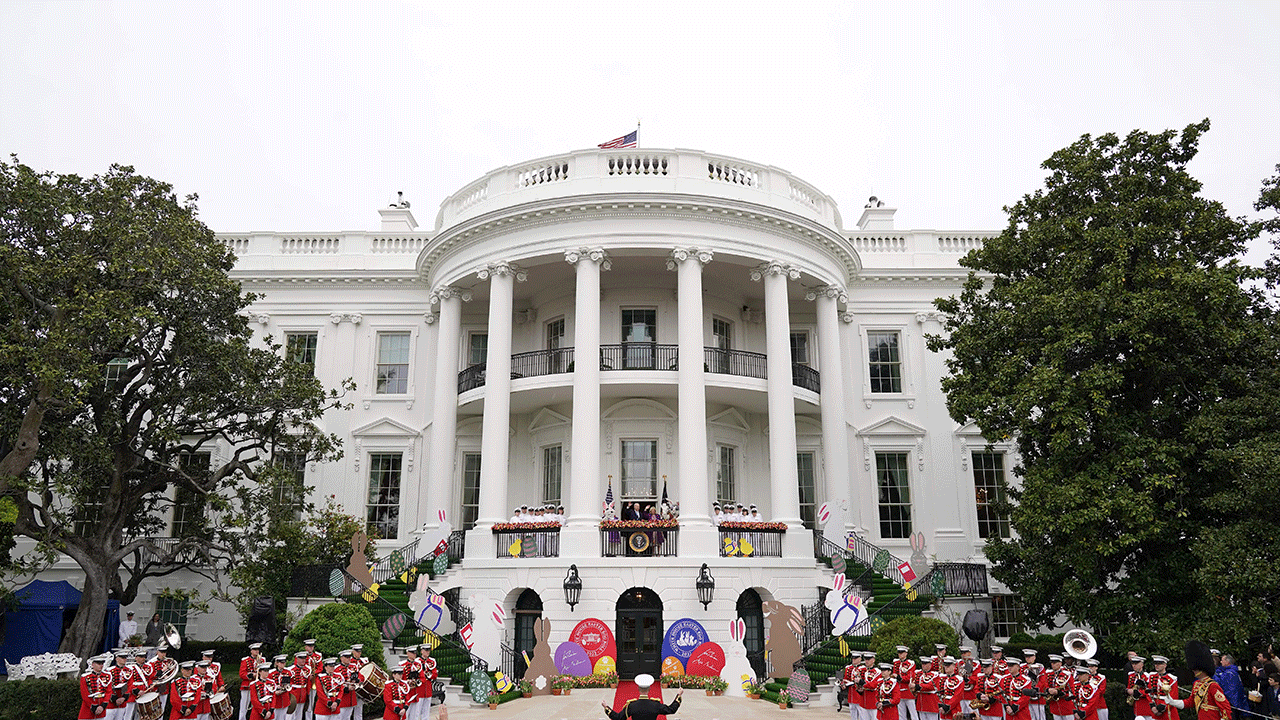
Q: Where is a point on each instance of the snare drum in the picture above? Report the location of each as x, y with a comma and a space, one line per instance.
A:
220, 707
372, 681
149, 706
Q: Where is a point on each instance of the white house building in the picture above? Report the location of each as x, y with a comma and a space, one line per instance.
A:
633, 320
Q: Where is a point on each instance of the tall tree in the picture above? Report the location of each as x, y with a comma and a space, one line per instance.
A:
1111, 332
133, 401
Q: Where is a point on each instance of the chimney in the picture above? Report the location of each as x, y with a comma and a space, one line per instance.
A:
396, 216
875, 216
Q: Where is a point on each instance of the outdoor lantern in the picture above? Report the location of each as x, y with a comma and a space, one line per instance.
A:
572, 587
706, 586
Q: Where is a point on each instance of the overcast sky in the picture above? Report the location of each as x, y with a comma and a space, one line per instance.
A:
308, 116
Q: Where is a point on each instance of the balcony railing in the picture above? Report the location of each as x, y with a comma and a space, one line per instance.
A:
751, 543
542, 362
543, 542
961, 579
639, 356
805, 377
736, 362
639, 542
312, 580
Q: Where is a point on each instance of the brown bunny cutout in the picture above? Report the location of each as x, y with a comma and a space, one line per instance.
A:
358, 567
542, 666
782, 646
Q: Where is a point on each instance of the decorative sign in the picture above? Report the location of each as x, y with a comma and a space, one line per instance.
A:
571, 659
730, 547
846, 612
394, 624
605, 664
396, 562
798, 686
741, 547
336, 582
432, 613
515, 548
501, 683
838, 564
706, 660
672, 666
881, 561
938, 585
480, 685
465, 633
370, 594
851, 542
824, 514
638, 541
596, 638
844, 647
499, 614
440, 565
876, 623
912, 593
442, 548
683, 637
908, 574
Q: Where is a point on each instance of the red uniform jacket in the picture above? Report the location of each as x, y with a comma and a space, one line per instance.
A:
1088, 698
930, 683
1209, 700
905, 671
95, 691
1101, 681
1013, 688
185, 694
850, 676
1141, 697
262, 695
395, 698
950, 693
428, 677
349, 677
328, 693
990, 685
971, 680
248, 671
1168, 685
301, 680
1062, 683
870, 688
280, 680
888, 695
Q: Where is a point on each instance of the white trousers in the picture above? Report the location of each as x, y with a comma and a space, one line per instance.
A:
964, 707
855, 712
244, 704
345, 713
909, 707
1104, 714
1037, 711
929, 716
311, 704
1064, 717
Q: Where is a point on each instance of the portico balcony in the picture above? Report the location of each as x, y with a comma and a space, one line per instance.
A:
640, 356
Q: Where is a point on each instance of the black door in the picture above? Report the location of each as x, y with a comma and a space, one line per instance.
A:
639, 633
528, 610
750, 609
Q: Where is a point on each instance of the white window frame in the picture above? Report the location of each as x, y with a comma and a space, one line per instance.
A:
905, 365
285, 333
466, 347
735, 464
542, 474
410, 366
912, 495
808, 345
400, 490
657, 469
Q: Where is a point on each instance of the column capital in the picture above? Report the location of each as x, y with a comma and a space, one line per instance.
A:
827, 291
938, 317
774, 267
448, 292
679, 255
503, 268
595, 255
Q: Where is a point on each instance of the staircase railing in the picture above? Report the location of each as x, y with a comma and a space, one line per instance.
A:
817, 626
457, 546
863, 553
383, 572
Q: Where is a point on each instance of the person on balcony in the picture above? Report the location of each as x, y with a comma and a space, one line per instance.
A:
755, 515
717, 515
632, 512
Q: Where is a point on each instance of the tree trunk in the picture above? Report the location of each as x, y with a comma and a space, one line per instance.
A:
84, 637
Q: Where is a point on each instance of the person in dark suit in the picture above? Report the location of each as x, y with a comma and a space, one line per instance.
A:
643, 707
632, 512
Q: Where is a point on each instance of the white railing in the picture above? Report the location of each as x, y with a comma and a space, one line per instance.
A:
959, 243
237, 245
544, 173
638, 164
881, 244
733, 173
309, 245
393, 245
920, 241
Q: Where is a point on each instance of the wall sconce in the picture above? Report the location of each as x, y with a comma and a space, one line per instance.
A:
572, 587
706, 586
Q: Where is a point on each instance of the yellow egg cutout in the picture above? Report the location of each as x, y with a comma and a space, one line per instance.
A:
746, 547
514, 550
912, 595
844, 647
605, 664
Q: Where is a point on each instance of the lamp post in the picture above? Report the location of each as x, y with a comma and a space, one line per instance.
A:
706, 586
573, 587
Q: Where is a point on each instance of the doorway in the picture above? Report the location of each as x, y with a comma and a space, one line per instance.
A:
528, 610
751, 610
639, 633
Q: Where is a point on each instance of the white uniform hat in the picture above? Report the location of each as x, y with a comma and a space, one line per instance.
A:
644, 680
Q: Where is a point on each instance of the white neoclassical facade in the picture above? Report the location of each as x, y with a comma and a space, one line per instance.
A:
633, 320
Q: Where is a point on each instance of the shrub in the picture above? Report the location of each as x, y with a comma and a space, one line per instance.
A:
336, 627
51, 699
918, 633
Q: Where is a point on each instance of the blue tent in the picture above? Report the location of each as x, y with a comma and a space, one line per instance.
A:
44, 608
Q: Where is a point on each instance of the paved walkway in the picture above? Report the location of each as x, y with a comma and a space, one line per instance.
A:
583, 704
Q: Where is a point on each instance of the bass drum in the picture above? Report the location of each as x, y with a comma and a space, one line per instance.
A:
372, 681
149, 706
220, 707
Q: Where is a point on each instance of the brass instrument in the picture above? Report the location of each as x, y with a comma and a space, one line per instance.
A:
1079, 644
168, 671
1139, 689
1159, 706
172, 638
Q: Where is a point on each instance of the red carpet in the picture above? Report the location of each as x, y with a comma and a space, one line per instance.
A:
628, 690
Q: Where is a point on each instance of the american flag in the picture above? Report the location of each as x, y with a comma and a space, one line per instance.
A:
626, 141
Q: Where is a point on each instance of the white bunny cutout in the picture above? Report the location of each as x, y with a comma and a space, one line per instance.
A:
846, 610
737, 669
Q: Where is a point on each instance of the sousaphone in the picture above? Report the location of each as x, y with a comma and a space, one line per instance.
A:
169, 669
1079, 644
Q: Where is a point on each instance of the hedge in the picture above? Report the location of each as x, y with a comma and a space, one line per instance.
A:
918, 633
336, 627
53, 699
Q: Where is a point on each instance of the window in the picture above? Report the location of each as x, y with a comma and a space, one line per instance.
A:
470, 489
552, 472
189, 505
639, 333
115, 370
393, 363
477, 348
300, 347
555, 341
288, 490
639, 470
805, 471
800, 348
383, 510
989, 494
722, 341
894, 494
172, 610
1006, 612
89, 508
885, 362
725, 478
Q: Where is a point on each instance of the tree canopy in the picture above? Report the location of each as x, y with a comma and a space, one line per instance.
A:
135, 401
1111, 332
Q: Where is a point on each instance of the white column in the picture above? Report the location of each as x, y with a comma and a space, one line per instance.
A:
697, 537
444, 409
784, 482
835, 437
586, 491
494, 439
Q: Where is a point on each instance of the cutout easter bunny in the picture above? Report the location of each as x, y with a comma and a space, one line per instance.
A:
432, 537
919, 561
836, 514
783, 645
428, 608
542, 665
358, 567
737, 669
847, 610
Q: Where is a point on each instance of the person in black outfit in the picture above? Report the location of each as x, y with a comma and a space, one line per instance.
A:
631, 512
643, 707
1271, 696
